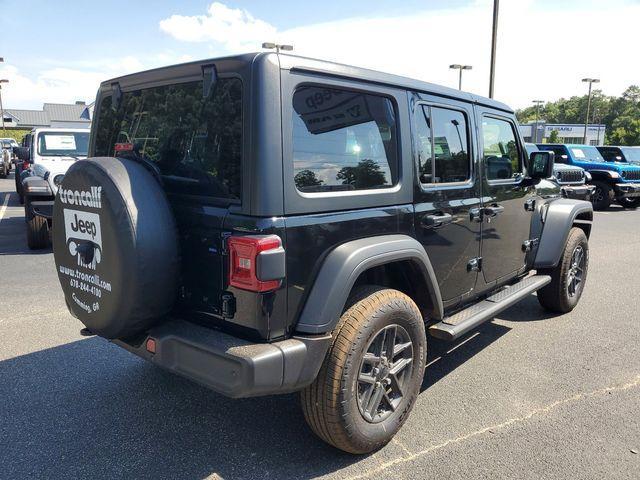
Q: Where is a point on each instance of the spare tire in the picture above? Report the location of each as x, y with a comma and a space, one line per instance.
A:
115, 246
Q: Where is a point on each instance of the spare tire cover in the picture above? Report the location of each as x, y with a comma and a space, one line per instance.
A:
115, 246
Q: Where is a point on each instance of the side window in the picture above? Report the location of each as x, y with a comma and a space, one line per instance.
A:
442, 145
609, 154
343, 140
500, 149
423, 144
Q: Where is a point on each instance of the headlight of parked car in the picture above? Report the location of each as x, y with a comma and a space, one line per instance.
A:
614, 174
57, 180
587, 176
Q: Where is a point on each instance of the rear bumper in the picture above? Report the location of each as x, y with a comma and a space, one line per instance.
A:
578, 192
232, 366
627, 190
42, 208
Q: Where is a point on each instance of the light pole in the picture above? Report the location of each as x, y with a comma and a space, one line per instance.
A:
2, 109
494, 41
457, 66
4, 80
535, 133
591, 81
277, 47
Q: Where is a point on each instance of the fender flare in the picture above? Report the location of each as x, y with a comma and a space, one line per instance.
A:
603, 176
559, 217
344, 265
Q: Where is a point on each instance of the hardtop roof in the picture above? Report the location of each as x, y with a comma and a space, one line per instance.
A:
295, 62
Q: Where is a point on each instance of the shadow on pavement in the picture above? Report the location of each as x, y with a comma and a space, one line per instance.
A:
90, 410
444, 357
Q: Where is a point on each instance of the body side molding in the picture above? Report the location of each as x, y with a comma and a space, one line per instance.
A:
345, 263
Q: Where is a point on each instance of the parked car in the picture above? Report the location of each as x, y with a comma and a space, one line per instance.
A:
621, 154
21, 165
266, 223
613, 181
6, 157
573, 181
51, 152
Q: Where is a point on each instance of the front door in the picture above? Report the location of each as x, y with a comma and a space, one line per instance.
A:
447, 203
508, 201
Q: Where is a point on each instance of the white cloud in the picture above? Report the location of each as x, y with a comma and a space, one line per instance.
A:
235, 28
75, 80
543, 52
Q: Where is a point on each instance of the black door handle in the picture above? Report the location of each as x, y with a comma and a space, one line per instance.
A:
493, 210
434, 221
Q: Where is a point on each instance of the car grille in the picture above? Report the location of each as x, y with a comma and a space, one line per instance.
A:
631, 175
570, 176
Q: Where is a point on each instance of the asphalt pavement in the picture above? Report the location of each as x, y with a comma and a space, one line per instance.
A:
529, 395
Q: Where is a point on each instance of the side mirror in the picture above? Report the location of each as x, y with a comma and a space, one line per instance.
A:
541, 165
23, 153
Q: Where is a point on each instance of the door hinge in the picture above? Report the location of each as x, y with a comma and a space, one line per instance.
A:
528, 245
475, 264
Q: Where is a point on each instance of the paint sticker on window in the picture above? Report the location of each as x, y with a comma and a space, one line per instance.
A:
60, 142
578, 153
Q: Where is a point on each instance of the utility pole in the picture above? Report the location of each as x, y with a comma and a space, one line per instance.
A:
4, 80
2, 109
535, 133
494, 41
460, 68
590, 81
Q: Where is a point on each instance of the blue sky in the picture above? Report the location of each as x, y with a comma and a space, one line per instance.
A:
60, 51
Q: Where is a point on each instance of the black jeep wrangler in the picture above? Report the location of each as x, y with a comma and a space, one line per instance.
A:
266, 223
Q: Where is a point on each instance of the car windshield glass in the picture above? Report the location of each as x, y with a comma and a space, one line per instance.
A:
193, 141
62, 144
632, 154
586, 154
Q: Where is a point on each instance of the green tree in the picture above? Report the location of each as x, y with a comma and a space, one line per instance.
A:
307, 178
366, 174
620, 115
554, 136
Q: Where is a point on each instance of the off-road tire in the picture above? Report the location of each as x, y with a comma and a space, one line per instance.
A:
330, 403
629, 202
555, 296
3, 171
38, 233
602, 196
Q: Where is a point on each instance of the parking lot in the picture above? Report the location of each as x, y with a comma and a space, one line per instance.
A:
529, 395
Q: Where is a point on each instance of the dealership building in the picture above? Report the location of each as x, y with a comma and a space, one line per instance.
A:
567, 133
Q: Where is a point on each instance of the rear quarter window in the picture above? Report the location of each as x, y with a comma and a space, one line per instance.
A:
343, 140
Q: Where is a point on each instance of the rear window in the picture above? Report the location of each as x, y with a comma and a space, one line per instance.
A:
60, 144
195, 142
343, 140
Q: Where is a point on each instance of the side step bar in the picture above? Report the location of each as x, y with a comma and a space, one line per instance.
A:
460, 323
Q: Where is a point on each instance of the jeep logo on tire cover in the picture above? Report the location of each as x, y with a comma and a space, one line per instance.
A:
81, 227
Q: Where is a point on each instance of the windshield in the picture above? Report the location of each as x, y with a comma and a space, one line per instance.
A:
586, 154
195, 142
63, 144
632, 154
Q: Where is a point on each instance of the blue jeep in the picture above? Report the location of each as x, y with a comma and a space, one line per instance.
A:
613, 181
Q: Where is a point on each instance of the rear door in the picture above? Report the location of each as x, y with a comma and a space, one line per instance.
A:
447, 202
508, 200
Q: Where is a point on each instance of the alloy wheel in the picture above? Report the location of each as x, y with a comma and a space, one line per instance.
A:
575, 275
384, 373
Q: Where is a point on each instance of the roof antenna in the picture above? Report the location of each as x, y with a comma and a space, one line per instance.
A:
277, 47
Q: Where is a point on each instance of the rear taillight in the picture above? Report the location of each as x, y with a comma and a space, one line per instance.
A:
256, 262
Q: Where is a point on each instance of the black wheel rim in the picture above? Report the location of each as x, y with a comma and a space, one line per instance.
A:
385, 371
575, 275
598, 196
